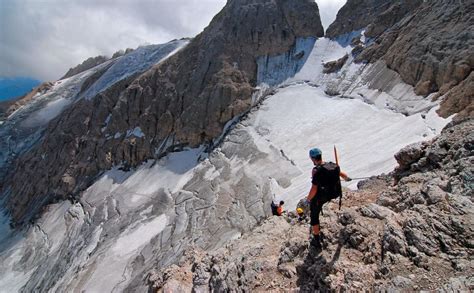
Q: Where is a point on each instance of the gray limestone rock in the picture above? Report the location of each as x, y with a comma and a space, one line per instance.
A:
409, 155
431, 48
375, 211
377, 15
334, 66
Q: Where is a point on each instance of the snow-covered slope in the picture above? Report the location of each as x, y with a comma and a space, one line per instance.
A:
373, 83
128, 222
301, 116
137, 61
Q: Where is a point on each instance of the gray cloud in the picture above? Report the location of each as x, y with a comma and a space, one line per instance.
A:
44, 38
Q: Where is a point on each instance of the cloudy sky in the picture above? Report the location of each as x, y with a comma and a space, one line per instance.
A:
44, 38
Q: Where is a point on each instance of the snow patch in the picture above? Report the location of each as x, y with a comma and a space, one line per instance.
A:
106, 122
137, 132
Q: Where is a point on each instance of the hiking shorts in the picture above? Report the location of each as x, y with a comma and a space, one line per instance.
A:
316, 206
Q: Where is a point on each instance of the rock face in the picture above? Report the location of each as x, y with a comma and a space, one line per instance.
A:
87, 64
184, 101
416, 234
432, 48
459, 99
392, 14
376, 15
430, 44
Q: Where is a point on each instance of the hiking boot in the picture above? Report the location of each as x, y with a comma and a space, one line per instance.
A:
315, 243
315, 247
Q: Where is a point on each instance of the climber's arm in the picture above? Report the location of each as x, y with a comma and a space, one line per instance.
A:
312, 192
344, 176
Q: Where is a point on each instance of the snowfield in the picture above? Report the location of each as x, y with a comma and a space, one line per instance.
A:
300, 117
129, 222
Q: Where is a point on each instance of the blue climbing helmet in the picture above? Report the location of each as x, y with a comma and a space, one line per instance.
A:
313, 153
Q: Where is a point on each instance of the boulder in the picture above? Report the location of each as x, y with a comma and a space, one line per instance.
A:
334, 66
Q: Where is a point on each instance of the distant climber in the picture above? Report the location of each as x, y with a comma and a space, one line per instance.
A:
301, 215
326, 185
277, 209
302, 210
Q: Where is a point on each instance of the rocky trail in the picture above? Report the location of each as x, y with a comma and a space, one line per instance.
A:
274, 256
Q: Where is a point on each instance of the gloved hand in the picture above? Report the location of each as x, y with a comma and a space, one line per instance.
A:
348, 179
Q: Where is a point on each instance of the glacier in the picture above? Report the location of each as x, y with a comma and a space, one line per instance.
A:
129, 222
134, 62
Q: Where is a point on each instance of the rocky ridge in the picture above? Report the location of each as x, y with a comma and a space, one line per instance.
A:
87, 64
420, 236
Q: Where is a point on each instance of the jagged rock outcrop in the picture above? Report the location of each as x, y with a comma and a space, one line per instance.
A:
376, 15
122, 52
431, 48
334, 66
184, 101
87, 64
416, 234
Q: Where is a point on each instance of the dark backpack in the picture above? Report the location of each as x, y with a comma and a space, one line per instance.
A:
328, 181
274, 209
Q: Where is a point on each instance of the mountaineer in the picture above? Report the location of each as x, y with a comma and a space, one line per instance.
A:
301, 215
277, 209
326, 185
302, 210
